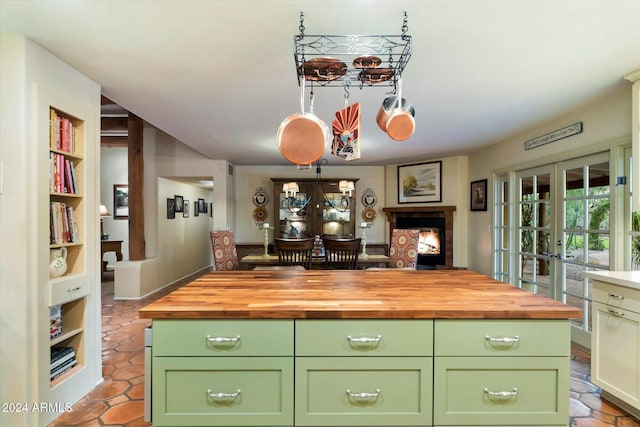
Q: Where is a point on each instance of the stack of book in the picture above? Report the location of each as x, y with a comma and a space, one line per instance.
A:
62, 359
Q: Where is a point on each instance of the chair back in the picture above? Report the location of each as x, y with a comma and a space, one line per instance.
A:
225, 255
341, 254
403, 250
295, 251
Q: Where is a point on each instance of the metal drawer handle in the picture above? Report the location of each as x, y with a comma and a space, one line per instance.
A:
363, 396
223, 396
77, 288
505, 340
614, 296
615, 312
223, 340
502, 394
365, 340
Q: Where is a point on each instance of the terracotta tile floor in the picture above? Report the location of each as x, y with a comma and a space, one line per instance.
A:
118, 401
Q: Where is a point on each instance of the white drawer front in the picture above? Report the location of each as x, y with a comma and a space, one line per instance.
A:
68, 289
617, 297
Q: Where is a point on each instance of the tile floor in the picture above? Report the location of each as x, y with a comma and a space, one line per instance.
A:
118, 401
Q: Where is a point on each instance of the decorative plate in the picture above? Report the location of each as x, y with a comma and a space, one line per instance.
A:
369, 214
260, 197
322, 69
260, 214
369, 198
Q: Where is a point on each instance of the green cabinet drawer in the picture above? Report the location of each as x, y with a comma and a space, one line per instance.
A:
363, 391
364, 338
222, 391
502, 338
501, 391
186, 337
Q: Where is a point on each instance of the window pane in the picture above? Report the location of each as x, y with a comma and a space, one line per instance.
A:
599, 179
574, 180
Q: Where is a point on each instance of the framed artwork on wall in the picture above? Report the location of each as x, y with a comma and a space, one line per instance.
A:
479, 195
121, 201
185, 212
420, 182
179, 203
171, 208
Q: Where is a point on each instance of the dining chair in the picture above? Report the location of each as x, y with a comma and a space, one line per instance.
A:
295, 251
225, 255
341, 254
403, 250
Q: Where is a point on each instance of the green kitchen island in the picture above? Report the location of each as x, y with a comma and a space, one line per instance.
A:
358, 348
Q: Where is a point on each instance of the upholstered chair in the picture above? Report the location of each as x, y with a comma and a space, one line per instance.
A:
403, 250
225, 255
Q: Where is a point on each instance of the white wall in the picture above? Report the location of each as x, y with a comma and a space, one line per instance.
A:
606, 124
32, 79
249, 178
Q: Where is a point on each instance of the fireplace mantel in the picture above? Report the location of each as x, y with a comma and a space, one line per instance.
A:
445, 212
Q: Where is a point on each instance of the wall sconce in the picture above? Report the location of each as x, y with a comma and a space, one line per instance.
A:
346, 187
104, 212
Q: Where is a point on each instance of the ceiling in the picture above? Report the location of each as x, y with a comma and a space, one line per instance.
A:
219, 75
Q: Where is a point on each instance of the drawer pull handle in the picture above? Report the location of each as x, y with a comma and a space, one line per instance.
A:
615, 312
614, 296
365, 340
77, 288
505, 340
223, 396
363, 396
502, 394
223, 340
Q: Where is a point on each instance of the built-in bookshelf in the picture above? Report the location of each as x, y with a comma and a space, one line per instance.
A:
67, 285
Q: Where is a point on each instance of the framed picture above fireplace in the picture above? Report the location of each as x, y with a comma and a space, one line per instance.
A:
479, 195
420, 182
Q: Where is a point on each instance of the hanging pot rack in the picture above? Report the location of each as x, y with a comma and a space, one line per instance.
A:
352, 60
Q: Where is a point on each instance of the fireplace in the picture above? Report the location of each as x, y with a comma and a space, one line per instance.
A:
435, 245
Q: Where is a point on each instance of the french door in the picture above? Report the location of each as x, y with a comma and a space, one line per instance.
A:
562, 230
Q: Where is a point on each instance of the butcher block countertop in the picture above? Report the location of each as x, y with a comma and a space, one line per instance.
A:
358, 294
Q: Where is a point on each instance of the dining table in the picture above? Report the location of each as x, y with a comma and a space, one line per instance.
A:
364, 261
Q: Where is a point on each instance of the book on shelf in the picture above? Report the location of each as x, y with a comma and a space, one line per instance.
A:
62, 133
62, 176
59, 356
55, 321
63, 224
63, 368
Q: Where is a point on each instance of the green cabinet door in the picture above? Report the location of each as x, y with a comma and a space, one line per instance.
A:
501, 391
222, 391
363, 391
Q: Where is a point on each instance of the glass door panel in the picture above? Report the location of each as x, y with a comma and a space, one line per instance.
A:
586, 239
535, 231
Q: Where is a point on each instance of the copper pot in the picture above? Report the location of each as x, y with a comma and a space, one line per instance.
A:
302, 138
396, 118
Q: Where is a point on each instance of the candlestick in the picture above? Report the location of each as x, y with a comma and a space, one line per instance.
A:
265, 226
364, 226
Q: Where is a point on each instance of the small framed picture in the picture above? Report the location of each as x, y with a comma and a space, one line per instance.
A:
196, 208
211, 210
202, 207
479, 195
121, 201
185, 212
179, 203
171, 208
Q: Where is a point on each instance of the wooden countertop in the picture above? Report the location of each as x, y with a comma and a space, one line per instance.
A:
392, 294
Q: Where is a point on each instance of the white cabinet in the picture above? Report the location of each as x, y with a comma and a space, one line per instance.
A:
615, 341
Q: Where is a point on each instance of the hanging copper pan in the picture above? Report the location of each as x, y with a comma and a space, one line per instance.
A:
396, 118
303, 137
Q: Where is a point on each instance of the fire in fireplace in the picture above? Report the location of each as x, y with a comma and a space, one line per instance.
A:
431, 243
